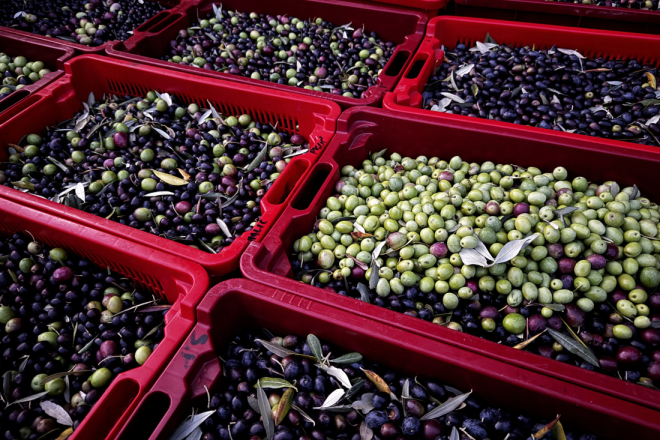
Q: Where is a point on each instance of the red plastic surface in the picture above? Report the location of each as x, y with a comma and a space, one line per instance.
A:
180, 282
365, 130
51, 54
562, 14
196, 365
404, 27
450, 31
432, 6
82, 49
313, 118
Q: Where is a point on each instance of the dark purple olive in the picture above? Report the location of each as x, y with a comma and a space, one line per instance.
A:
520, 208
597, 261
537, 323
62, 274
574, 316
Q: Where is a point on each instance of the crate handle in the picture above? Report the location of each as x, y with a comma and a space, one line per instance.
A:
411, 85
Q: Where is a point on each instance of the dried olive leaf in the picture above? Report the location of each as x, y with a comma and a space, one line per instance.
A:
405, 391
90, 99
65, 434
512, 248
333, 398
474, 89
254, 404
23, 185
364, 295
447, 407
265, 412
348, 358
185, 175
489, 39
482, 249
455, 228
215, 113
547, 428
297, 153
527, 342
359, 263
359, 228
57, 412
21, 368
652, 81
558, 432
376, 252
453, 97
304, 415
378, 381
62, 374
315, 347
284, 406
258, 159
576, 337
366, 433
360, 235
454, 434
465, 70
206, 114
197, 433
29, 398
574, 347
169, 179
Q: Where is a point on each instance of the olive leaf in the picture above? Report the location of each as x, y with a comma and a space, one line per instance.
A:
57, 163
62, 374
333, 398
223, 226
378, 154
88, 345
233, 198
90, 99
365, 404
190, 424
357, 386
207, 113
315, 347
80, 191
280, 351
341, 219
254, 404
349, 358
197, 433
67, 390
159, 193
359, 228
634, 193
364, 294
274, 383
447, 407
547, 428
169, 179
57, 412
284, 406
304, 414
361, 265
652, 81
258, 159
265, 412
21, 368
555, 307
575, 347
507, 253
297, 153
366, 433
453, 97
378, 381
336, 373
614, 189
6, 384
454, 434
215, 113
465, 70
655, 324
29, 398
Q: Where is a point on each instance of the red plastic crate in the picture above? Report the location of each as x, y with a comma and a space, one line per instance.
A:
404, 27
432, 6
82, 49
51, 54
450, 31
365, 130
180, 282
196, 365
562, 14
313, 118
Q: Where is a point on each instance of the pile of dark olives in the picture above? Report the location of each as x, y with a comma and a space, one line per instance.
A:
645, 5
67, 329
556, 89
88, 22
312, 391
559, 266
18, 72
313, 54
184, 173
